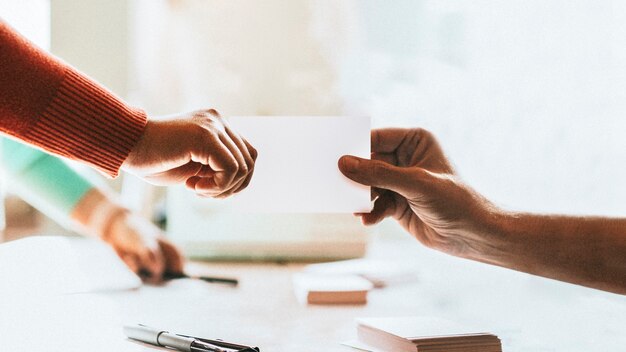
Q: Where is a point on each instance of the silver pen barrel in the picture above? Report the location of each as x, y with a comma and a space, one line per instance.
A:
158, 337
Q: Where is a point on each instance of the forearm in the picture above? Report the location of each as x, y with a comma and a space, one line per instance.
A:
588, 251
41, 179
47, 103
50, 185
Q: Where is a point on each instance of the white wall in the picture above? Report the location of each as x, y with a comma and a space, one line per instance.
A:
29, 17
528, 97
92, 35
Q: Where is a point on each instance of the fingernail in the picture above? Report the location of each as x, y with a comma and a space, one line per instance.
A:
350, 163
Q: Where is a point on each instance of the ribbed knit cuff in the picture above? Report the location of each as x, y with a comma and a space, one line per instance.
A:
88, 123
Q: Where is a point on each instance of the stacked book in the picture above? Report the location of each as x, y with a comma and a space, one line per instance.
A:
411, 334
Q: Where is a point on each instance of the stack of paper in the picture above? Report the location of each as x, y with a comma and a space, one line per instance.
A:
411, 334
331, 289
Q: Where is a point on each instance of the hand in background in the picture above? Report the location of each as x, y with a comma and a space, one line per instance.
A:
198, 149
138, 242
414, 183
142, 246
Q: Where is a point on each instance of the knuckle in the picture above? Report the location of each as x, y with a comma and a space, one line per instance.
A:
207, 113
243, 170
250, 163
206, 117
254, 153
213, 112
423, 134
231, 166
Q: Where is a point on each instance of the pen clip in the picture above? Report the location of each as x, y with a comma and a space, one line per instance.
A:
224, 344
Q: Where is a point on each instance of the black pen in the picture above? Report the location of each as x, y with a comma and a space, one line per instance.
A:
171, 276
217, 280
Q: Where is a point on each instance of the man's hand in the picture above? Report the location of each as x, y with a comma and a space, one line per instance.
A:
414, 182
198, 149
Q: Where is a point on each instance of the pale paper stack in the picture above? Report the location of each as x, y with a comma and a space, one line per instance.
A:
331, 289
421, 334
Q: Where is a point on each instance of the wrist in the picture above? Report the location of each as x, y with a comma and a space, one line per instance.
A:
493, 236
96, 213
137, 150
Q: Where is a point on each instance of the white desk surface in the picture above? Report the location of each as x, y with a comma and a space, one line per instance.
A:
528, 313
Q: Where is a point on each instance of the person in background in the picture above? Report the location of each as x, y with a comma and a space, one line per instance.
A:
56, 189
47, 103
414, 183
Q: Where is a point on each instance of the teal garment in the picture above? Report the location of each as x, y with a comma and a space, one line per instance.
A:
41, 179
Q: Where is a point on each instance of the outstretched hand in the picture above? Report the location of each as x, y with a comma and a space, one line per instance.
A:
414, 183
198, 149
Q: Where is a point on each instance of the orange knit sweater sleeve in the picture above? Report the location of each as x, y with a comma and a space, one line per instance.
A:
47, 103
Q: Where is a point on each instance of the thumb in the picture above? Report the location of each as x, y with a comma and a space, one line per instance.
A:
380, 174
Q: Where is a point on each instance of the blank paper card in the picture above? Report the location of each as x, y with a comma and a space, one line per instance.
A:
296, 169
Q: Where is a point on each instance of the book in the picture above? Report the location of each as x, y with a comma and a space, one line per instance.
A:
422, 334
331, 289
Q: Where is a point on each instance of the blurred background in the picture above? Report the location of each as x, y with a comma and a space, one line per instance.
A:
528, 98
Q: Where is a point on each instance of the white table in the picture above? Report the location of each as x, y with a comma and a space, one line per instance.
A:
528, 313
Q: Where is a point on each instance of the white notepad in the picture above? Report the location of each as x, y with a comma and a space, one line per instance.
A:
55, 265
296, 170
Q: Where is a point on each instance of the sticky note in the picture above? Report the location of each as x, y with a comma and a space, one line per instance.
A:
296, 169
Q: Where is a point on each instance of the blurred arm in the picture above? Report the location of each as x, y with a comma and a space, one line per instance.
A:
43, 180
50, 185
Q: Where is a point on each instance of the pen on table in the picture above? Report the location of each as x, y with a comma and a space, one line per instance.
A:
171, 276
183, 343
212, 279
166, 339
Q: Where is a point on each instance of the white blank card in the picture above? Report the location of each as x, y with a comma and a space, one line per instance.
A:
296, 170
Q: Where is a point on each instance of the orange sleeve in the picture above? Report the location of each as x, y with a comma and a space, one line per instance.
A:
49, 104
